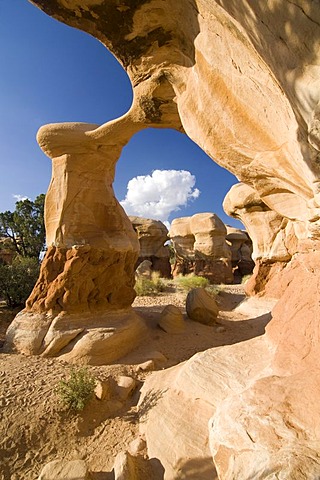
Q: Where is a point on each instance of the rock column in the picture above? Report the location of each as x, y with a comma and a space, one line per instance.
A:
86, 283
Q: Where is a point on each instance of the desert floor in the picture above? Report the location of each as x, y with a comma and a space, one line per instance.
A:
35, 428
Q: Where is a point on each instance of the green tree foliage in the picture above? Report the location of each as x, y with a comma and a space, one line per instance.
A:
25, 227
17, 280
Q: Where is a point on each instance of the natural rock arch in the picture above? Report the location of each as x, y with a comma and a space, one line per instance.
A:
242, 80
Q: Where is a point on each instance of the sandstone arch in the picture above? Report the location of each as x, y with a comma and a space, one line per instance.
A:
242, 80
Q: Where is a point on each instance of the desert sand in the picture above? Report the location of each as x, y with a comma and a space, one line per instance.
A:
35, 426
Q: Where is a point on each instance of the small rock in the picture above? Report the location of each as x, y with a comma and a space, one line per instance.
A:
124, 467
146, 366
171, 320
144, 269
103, 390
62, 470
125, 387
137, 446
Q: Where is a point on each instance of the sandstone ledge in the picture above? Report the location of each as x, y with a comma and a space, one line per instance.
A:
94, 339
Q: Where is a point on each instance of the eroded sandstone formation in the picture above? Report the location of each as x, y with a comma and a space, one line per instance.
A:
241, 252
241, 78
152, 236
200, 247
275, 239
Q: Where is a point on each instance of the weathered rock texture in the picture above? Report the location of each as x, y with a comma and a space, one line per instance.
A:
63, 470
171, 320
241, 252
200, 247
152, 236
241, 78
275, 239
201, 307
88, 270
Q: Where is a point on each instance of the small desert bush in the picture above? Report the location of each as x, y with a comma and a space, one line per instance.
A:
215, 290
149, 286
78, 390
188, 282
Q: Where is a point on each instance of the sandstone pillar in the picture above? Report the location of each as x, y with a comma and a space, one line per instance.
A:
152, 236
80, 306
200, 245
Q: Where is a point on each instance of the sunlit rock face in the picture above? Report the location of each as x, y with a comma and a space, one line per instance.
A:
245, 78
152, 236
200, 247
241, 78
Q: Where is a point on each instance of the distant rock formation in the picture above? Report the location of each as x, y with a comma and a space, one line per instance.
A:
200, 247
152, 236
241, 252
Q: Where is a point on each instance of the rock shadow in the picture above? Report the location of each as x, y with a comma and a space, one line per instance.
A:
243, 330
197, 469
229, 301
140, 414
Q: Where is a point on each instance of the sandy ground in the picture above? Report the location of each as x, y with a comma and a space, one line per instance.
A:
36, 429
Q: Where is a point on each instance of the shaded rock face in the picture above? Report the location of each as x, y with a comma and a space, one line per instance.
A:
241, 252
241, 79
200, 247
202, 307
152, 235
275, 239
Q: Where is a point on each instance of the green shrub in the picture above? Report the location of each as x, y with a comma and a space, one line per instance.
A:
215, 290
149, 286
18, 279
78, 390
188, 282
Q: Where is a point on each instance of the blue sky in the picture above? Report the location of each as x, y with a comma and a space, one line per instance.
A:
53, 73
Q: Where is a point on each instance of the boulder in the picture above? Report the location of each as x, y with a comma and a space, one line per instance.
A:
202, 307
92, 339
144, 269
256, 432
64, 470
171, 320
186, 396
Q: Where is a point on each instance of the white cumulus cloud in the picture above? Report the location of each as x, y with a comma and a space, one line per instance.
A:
159, 194
20, 198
